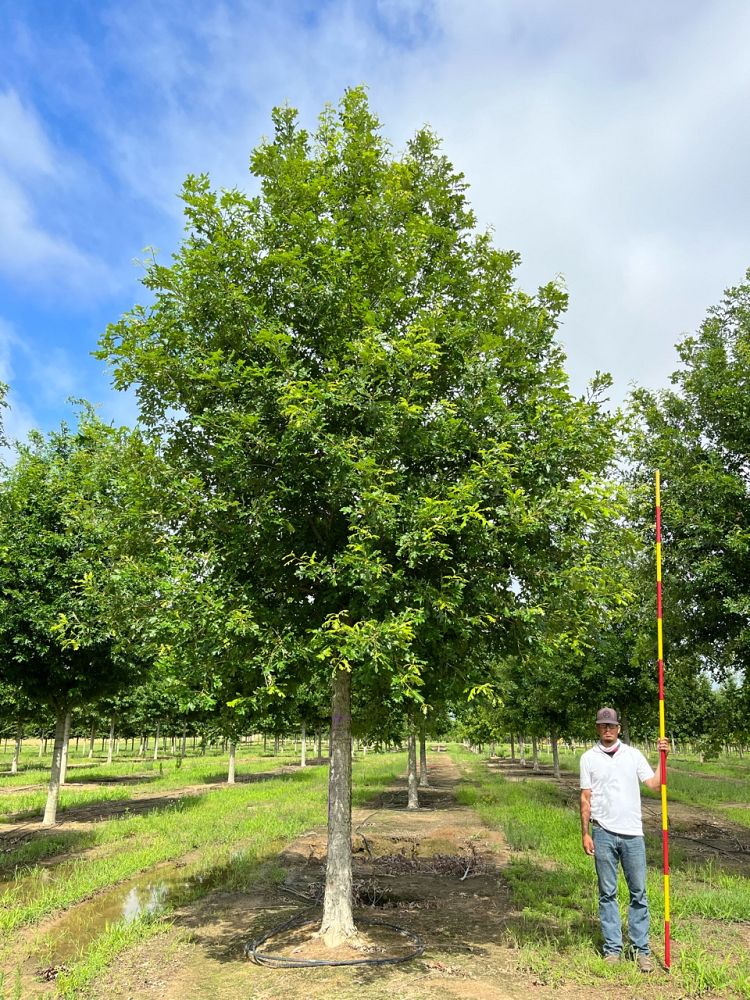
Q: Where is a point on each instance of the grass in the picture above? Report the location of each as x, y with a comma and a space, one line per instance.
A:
553, 886
225, 835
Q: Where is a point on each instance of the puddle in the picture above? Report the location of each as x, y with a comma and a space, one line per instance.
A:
146, 895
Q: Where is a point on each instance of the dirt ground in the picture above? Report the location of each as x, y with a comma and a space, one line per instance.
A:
436, 873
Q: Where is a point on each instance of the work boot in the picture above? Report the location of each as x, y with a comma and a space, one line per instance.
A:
613, 958
644, 962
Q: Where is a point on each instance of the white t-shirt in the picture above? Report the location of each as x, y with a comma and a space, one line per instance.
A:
614, 780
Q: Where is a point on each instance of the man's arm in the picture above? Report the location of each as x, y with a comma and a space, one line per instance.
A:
588, 843
655, 782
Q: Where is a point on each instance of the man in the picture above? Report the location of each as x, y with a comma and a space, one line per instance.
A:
611, 802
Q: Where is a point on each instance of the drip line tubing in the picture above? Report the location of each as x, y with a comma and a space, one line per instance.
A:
252, 948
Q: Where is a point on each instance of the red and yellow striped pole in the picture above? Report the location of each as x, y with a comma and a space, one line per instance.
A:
662, 726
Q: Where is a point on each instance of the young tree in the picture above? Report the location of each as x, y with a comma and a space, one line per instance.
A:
58, 646
698, 435
377, 415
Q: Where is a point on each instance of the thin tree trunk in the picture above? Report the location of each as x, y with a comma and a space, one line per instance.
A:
522, 750
156, 741
111, 744
411, 774
555, 752
53, 792
319, 735
232, 762
338, 920
303, 748
512, 749
423, 777
276, 746
42, 744
91, 741
625, 723
16, 749
535, 754
183, 748
64, 757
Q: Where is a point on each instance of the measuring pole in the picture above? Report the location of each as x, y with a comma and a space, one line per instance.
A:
662, 726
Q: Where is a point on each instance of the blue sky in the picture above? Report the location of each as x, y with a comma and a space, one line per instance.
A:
607, 144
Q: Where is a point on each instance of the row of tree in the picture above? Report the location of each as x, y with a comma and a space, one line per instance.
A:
361, 487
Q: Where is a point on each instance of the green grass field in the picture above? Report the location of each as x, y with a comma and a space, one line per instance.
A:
205, 838
553, 882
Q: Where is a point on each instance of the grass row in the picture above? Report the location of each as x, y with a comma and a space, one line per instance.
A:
230, 832
554, 893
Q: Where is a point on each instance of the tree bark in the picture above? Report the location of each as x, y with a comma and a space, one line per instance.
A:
232, 762
320, 743
424, 781
535, 754
303, 748
183, 747
276, 746
411, 773
338, 920
156, 742
625, 723
64, 756
512, 749
91, 742
553, 738
521, 750
16, 749
53, 792
111, 744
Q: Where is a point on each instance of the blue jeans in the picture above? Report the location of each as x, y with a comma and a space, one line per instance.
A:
610, 851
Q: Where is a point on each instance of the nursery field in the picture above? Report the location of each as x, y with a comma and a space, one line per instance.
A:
159, 873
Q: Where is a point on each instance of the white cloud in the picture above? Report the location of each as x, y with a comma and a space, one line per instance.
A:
30, 253
611, 144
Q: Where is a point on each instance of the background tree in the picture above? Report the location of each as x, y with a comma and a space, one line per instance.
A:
57, 643
698, 435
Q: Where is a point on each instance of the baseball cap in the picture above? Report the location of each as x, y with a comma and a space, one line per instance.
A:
607, 715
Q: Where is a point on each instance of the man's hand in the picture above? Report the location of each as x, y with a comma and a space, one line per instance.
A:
655, 782
588, 844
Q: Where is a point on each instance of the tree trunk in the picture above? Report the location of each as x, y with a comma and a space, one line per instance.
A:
424, 781
232, 761
156, 741
64, 756
111, 744
91, 742
338, 920
183, 747
521, 750
411, 774
276, 746
320, 743
16, 749
535, 754
625, 723
553, 738
53, 792
512, 749
303, 748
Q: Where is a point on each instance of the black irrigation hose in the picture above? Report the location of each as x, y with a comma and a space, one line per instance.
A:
298, 920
